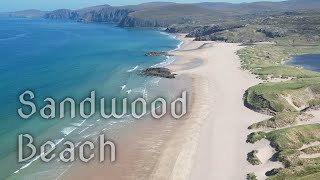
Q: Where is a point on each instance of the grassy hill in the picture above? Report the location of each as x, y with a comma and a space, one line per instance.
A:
173, 14
287, 94
164, 14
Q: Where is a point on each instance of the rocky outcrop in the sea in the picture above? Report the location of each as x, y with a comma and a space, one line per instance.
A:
161, 53
159, 72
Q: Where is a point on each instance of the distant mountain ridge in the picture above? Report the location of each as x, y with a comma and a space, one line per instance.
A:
30, 13
165, 14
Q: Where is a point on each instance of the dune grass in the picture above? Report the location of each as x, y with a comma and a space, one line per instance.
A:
291, 138
312, 150
255, 136
265, 60
251, 176
245, 34
252, 158
303, 172
294, 137
288, 141
273, 97
281, 120
285, 101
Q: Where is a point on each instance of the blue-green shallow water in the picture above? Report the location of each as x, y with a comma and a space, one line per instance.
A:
59, 59
308, 61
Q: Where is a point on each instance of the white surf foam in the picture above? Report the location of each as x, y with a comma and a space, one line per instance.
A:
28, 164
78, 124
67, 130
167, 34
57, 141
178, 47
131, 70
83, 130
122, 87
164, 63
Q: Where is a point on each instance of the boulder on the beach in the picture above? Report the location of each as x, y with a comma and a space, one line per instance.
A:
161, 53
160, 72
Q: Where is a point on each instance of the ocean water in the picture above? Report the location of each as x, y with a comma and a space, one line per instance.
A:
308, 61
67, 59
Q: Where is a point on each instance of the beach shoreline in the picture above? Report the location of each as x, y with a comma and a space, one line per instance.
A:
209, 91
210, 141
211, 144
213, 140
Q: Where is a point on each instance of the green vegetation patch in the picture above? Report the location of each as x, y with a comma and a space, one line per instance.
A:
252, 158
289, 157
239, 35
273, 171
164, 16
294, 137
269, 60
287, 96
255, 136
280, 120
303, 172
251, 176
293, 34
312, 150
288, 141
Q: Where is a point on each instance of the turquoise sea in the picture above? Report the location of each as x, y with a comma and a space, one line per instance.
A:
68, 59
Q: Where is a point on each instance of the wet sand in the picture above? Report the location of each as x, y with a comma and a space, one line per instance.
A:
139, 144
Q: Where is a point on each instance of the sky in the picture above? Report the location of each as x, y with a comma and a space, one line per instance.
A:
15, 5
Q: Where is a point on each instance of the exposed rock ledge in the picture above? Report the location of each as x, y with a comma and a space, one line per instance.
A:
160, 72
161, 53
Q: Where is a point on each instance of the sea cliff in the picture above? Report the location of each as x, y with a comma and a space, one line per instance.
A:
106, 15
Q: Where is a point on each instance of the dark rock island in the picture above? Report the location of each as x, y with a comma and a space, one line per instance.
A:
161, 53
160, 72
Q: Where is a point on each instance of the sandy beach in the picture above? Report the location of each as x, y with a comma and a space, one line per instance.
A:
160, 90
215, 136
209, 142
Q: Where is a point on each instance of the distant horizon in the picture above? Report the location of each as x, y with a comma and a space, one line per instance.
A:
15, 5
